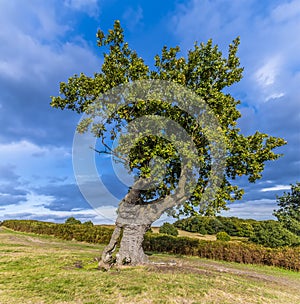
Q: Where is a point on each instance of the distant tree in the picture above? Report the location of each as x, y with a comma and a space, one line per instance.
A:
273, 234
207, 74
168, 228
72, 221
289, 212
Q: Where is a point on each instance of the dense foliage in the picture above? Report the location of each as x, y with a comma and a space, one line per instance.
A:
289, 212
206, 73
169, 229
273, 234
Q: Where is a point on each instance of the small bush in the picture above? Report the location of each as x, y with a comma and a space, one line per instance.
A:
169, 229
223, 236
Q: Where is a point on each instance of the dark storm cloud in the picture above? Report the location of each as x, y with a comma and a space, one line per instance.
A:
67, 197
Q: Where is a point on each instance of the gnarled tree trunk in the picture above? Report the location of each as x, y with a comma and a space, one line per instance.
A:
133, 220
131, 250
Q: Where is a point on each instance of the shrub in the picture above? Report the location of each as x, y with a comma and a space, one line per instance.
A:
223, 236
169, 229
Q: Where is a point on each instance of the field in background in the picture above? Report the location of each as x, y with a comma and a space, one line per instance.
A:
199, 236
42, 269
190, 234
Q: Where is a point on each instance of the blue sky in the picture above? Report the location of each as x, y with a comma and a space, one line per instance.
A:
45, 42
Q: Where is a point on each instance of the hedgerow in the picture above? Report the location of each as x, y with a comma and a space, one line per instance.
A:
78, 232
247, 253
241, 252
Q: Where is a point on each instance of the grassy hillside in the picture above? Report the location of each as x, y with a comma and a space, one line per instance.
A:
42, 269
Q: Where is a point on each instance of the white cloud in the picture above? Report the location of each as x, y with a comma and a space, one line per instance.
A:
269, 50
35, 207
276, 188
254, 209
266, 75
14, 150
275, 96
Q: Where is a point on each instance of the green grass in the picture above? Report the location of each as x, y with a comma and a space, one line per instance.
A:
42, 269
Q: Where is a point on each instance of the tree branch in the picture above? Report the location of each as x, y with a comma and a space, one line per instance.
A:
111, 152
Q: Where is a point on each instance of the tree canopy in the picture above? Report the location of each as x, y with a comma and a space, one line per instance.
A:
206, 72
289, 209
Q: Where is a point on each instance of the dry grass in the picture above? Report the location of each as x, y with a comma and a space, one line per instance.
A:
39, 269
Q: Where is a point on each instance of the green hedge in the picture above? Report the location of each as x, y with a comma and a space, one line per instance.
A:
285, 257
78, 232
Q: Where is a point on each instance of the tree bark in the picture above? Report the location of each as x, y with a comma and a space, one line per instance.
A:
133, 220
131, 250
131, 224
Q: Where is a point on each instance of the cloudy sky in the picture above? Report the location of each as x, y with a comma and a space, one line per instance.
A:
45, 42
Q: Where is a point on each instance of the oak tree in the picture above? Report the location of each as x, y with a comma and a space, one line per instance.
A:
289, 209
206, 73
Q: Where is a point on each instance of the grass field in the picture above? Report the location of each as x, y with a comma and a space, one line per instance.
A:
42, 269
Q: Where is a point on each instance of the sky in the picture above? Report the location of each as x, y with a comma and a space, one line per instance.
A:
44, 42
